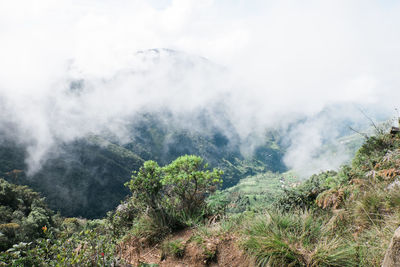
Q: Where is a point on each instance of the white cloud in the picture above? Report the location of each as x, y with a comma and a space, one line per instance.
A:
282, 57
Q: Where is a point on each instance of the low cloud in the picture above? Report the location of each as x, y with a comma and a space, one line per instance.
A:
70, 68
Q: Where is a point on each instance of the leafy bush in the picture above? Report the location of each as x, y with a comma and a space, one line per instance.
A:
372, 151
122, 218
362, 201
22, 215
187, 182
149, 229
174, 195
31, 235
303, 197
89, 247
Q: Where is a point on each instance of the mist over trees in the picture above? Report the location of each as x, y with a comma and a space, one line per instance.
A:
162, 133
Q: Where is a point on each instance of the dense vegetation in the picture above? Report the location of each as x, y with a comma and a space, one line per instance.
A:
86, 177
334, 218
174, 196
32, 235
163, 200
82, 178
23, 213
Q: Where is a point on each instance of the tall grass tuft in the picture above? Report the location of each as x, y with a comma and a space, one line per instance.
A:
296, 239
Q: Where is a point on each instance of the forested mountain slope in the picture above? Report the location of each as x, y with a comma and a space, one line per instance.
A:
85, 177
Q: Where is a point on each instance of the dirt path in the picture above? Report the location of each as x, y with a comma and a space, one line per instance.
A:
197, 251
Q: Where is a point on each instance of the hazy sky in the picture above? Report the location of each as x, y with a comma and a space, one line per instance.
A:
281, 57
298, 51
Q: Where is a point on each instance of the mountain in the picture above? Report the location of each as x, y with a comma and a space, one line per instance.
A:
81, 178
86, 177
84, 170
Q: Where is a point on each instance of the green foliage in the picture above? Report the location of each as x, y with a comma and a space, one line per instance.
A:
174, 247
146, 184
122, 218
187, 182
92, 246
296, 239
364, 199
22, 214
372, 151
174, 195
304, 196
84, 177
71, 225
217, 203
30, 235
152, 229
256, 192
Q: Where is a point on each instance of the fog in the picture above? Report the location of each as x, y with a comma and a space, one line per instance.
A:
72, 68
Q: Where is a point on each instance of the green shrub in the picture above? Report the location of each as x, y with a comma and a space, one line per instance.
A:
149, 229
89, 247
302, 197
174, 196
334, 252
21, 206
174, 247
296, 239
123, 217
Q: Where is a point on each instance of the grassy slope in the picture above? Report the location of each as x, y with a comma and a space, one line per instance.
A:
342, 219
336, 219
258, 192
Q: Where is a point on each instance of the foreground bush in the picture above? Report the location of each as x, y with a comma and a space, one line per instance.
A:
175, 195
23, 213
92, 246
361, 203
297, 239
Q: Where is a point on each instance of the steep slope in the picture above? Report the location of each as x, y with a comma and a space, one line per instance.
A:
344, 218
160, 138
81, 178
86, 177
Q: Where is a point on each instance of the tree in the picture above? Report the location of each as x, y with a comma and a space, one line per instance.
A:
187, 182
181, 186
145, 184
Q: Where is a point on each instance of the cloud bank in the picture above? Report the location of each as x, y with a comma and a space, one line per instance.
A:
69, 68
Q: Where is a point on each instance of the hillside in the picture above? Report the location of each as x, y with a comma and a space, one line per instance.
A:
344, 218
86, 177
334, 218
82, 178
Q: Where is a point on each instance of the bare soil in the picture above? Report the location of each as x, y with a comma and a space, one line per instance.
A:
212, 251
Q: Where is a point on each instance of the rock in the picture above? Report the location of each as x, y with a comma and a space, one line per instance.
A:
392, 256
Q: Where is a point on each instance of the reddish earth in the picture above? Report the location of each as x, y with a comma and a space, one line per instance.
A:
211, 251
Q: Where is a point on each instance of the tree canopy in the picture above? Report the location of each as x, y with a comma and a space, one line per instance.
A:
180, 187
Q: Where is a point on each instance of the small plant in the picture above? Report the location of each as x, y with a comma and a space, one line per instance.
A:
175, 248
210, 252
149, 229
143, 264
